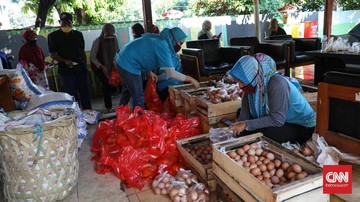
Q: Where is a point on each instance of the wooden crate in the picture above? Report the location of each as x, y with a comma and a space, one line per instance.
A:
188, 98
203, 171
249, 188
213, 113
175, 92
224, 193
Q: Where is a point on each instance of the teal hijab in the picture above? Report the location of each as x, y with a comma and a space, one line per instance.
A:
172, 36
262, 67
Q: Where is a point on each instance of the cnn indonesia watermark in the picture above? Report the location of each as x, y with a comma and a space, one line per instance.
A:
337, 179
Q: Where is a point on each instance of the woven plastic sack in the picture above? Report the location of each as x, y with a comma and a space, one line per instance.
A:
21, 86
39, 162
51, 100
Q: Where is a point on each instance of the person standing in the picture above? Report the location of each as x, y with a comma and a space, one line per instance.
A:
275, 29
271, 104
144, 55
31, 53
103, 51
67, 47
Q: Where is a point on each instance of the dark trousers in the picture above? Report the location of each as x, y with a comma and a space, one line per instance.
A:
131, 87
287, 132
106, 88
163, 94
78, 84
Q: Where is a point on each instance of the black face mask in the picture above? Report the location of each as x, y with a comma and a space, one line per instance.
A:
32, 42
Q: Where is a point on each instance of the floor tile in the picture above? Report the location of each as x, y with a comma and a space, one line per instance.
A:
133, 198
149, 196
115, 198
73, 195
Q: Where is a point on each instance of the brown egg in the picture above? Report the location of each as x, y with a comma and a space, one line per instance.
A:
261, 158
244, 158
232, 154
304, 173
260, 177
258, 151
251, 159
266, 174
267, 179
251, 152
254, 145
264, 153
290, 175
237, 157
246, 147
306, 151
247, 164
270, 165
266, 161
279, 173
275, 180
285, 165
290, 169
240, 162
300, 176
282, 183
272, 172
297, 168
283, 179
240, 151
253, 166
277, 163
259, 162
270, 156
255, 171
262, 167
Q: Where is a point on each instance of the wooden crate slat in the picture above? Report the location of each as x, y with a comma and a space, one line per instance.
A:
252, 184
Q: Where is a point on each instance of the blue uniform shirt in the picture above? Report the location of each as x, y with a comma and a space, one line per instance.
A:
144, 54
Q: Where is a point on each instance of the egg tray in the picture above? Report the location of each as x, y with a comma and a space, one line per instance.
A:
249, 188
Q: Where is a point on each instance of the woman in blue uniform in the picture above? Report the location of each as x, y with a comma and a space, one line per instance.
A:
144, 55
271, 104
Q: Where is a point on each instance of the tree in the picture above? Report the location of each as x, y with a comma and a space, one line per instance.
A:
349, 4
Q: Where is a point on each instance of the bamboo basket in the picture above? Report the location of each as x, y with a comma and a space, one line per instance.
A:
40, 162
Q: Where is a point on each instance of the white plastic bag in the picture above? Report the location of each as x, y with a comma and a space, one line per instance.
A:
220, 134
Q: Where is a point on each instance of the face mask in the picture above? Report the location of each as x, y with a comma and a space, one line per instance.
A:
32, 42
66, 29
248, 89
177, 48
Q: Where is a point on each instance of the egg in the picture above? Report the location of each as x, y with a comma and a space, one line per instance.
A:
246, 147
285, 165
297, 168
232, 154
258, 151
266, 179
306, 151
194, 195
237, 157
251, 152
163, 191
240, 151
260, 177
246, 164
161, 185
266, 161
272, 172
247, 168
290, 175
157, 191
300, 176
251, 159
261, 158
275, 180
240, 162
165, 179
283, 179
270, 156
244, 159
254, 145
304, 173
173, 192
258, 162
253, 166
262, 167
266, 174
270, 165
277, 163
279, 173
264, 153
255, 171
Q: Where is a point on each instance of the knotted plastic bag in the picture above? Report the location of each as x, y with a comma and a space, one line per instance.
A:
115, 79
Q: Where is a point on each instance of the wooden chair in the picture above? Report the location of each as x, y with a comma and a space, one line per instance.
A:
338, 112
190, 66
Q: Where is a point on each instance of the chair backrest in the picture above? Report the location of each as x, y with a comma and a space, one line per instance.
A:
210, 47
280, 37
244, 41
307, 44
199, 53
190, 66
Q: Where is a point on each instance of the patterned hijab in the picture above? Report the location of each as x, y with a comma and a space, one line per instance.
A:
262, 67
